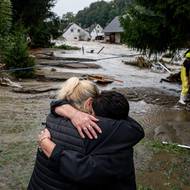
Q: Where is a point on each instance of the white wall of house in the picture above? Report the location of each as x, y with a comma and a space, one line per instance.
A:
97, 31
75, 33
117, 38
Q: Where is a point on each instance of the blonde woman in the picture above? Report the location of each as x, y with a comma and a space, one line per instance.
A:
69, 162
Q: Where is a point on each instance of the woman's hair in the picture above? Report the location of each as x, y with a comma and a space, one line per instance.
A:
77, 91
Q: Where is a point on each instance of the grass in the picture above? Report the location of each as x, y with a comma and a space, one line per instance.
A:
67, 47
157, 146
16, 163
168, 168
141, 187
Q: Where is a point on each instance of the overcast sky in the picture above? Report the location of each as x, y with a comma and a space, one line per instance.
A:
63, 6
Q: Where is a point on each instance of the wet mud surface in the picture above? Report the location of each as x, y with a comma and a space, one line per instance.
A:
153, 105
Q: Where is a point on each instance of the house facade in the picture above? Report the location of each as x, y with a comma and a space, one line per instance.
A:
96, 32
113, 31
75, 33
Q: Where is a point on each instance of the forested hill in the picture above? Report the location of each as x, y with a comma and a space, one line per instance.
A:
101, 12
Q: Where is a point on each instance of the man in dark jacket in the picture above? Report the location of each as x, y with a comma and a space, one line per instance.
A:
106, 162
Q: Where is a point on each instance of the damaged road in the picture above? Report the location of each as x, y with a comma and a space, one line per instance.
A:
152, 104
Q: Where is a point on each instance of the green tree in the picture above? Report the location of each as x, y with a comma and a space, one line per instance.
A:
67, 18
5, 17
101, 12
157, 26
15, 54
33, 15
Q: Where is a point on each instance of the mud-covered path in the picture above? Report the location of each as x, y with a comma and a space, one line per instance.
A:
154, 105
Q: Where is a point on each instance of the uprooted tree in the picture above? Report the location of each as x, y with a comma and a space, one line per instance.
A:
157, 26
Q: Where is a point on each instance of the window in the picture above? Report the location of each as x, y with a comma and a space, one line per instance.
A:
72, 30
78, 30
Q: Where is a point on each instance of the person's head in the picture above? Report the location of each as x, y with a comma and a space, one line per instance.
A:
111, 104
79, 93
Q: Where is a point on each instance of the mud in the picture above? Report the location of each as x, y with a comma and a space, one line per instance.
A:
152, 104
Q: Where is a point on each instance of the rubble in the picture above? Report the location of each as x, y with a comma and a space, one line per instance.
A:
35, 90
7, 82
139, 62
173, 78
102, 79
69, 64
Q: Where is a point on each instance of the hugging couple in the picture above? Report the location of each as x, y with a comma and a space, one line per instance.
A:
67, 160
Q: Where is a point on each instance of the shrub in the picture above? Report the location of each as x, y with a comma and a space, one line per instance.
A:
16, 55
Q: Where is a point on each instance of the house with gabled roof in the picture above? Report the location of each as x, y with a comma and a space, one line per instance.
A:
96, 32
113, 31
75, 33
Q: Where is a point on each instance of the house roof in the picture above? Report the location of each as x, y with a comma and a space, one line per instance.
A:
114, 26
71, 24
93, 26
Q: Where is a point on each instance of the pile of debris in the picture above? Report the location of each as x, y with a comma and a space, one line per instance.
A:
173, 78
101, 79
4, 81
139, 62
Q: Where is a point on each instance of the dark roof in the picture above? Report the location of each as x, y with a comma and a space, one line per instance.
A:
114, 26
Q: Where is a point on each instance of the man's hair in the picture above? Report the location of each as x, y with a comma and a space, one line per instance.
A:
111, 104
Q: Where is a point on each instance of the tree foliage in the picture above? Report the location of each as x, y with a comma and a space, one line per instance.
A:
156, 26
15, 53
34, 16
31, 12
67, 18
5, 16
101, 12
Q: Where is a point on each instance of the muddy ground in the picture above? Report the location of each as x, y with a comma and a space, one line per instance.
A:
154, 105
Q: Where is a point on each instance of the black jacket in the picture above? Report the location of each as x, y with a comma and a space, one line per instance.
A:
88, 164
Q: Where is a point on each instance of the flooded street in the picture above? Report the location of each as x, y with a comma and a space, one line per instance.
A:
152, 104
110, 59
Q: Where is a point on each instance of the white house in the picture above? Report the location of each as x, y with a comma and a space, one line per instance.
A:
96, 32
75, 32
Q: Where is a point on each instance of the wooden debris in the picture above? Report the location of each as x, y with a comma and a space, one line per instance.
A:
139, 62
178, 145
142, 62
55, 76
35, 90
67, 58
2, 66
8, 82
173, 78
100, 50
101, 79
71, 65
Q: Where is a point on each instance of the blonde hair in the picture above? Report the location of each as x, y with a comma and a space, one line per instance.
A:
77, 91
